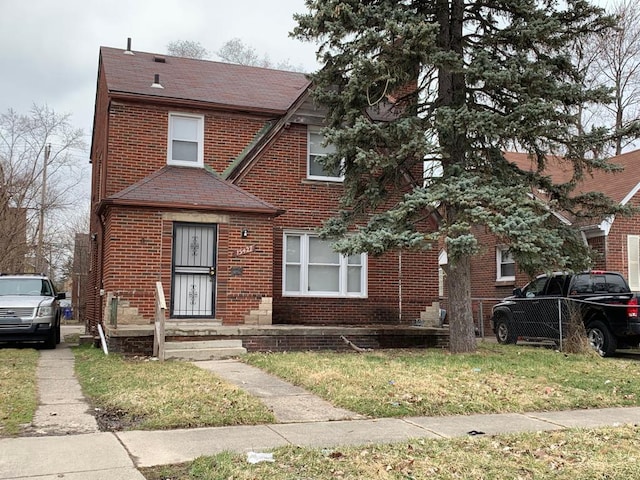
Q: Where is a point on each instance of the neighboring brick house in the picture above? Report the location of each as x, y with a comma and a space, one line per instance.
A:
205, 178
615, 239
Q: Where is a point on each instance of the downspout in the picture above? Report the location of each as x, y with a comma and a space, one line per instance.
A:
400, 286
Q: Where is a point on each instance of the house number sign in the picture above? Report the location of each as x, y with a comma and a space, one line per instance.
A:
244, 250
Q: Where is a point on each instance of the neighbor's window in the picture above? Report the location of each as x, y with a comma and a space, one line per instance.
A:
313, 268
431, 169
506, 265
633, 254
186, 133
315, 169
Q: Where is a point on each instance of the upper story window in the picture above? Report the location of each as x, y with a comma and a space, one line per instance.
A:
315, 169
313, 268
432, 169
506, 265
186, 138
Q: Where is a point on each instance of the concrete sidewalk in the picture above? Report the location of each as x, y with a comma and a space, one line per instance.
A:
102, 456
69, 445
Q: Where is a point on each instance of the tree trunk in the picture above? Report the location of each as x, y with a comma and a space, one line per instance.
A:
462, 337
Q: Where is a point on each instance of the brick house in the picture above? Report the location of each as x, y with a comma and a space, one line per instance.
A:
615, 239
205, 178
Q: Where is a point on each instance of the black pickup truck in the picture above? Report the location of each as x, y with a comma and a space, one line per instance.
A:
541, 310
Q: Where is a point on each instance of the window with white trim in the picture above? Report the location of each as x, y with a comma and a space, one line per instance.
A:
316, 151
186, 138
431, 169
633, 265
506, 265
313, 268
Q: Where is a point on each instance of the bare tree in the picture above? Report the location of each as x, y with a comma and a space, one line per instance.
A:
188, 49
614, 60
235, 51
39, 172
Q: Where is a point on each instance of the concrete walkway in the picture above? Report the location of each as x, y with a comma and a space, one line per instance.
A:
289, 404
68, 446
62, 409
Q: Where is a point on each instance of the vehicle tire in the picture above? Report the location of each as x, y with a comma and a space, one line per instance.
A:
58, 338
601, 339
50, 342
504, 332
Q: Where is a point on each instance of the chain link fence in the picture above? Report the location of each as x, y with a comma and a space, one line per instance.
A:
549, 320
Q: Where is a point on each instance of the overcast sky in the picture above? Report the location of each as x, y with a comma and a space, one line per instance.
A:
49, 48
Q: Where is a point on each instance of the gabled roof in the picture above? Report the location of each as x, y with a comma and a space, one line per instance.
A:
555, 168
225, 85
618, 185
189, 188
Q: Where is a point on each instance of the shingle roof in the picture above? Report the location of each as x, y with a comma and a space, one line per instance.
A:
617, 185
189, 188
230, 85
558, 170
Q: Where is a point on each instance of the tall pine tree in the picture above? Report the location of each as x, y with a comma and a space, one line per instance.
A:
457, 84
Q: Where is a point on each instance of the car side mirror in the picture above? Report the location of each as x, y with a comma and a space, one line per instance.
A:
61, 296
517, 292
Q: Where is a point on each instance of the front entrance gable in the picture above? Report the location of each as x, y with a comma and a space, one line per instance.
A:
189, 188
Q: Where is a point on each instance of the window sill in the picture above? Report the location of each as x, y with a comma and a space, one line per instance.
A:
316, 181
328, 296
505, 283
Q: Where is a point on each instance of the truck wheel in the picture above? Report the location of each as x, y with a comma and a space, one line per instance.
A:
50, 342
58, 333
601, 339
504, 334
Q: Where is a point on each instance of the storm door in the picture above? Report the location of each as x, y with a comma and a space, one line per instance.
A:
194, 270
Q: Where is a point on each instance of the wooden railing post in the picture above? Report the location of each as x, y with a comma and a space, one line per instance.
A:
158, 330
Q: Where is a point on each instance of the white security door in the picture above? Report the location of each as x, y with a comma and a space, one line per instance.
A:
194, 270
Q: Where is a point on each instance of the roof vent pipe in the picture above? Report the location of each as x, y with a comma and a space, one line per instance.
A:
156, 81
128, 50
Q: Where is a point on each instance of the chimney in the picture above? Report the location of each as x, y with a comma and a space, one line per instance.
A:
156, 81
128, 50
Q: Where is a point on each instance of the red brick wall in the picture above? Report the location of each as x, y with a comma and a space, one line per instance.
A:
138, 136
244, 266
616, 253
132, 257
242, 277
98, 159
279, 177
599, 245
137, 147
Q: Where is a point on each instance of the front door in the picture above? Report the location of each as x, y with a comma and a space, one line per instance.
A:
194, 270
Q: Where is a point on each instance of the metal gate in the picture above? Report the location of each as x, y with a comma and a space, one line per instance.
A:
194, 270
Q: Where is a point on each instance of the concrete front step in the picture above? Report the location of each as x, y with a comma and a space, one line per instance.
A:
203, 350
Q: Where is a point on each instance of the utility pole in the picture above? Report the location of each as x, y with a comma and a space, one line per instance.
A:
40, 263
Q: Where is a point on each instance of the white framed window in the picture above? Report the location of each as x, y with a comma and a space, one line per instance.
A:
506, 265
633, 264
312, 268
317, 150
186, 139
431, 169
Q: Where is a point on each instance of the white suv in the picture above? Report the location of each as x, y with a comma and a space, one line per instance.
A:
29, 309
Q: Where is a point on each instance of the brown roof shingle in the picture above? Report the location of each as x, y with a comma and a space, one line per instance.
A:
189, 188
223, 84
616, 185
